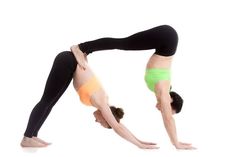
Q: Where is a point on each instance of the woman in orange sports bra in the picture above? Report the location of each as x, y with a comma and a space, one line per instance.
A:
64, 69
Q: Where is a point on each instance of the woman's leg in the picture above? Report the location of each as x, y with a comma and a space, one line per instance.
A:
58, 80
162, 38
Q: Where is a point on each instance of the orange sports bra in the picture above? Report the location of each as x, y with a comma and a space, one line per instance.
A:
87, 89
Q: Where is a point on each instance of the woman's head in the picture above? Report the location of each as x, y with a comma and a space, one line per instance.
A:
177, 102
118, 113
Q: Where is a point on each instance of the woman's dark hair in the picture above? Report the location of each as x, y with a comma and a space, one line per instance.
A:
117, 112
177, 101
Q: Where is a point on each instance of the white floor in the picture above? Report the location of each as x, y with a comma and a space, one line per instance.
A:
106, 143
32, 33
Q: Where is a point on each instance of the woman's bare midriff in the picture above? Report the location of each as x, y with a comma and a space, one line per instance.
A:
157, 61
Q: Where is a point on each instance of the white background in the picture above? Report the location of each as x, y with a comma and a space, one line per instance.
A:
32, 33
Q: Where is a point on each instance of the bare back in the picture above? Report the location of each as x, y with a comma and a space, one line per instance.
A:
81, 76
157, 61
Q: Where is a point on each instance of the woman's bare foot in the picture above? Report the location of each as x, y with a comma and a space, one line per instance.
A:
30, 142
40, 140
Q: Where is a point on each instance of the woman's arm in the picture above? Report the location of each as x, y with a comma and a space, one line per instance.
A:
169, 121
122, 131
143, 142
100, 101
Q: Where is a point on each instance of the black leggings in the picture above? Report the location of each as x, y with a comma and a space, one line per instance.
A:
58, 80
163, 39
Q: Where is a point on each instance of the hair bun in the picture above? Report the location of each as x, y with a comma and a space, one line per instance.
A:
119, 112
